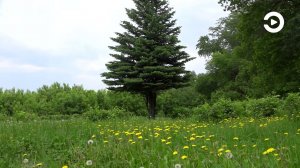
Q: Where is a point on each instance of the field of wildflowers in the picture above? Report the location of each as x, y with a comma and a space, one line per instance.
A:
138, 142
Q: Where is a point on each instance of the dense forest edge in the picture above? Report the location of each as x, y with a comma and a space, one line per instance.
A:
60, 101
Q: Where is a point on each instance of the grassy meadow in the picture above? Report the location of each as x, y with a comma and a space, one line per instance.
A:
138, 142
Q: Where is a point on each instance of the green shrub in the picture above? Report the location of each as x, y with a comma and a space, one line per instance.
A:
291, 104
180, 101
95, 114
221, 109
3, 117
180, 112
239, 108
25, 116
133, 103
201, 113
264, 107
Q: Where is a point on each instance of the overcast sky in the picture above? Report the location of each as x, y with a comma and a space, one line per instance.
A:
66, 41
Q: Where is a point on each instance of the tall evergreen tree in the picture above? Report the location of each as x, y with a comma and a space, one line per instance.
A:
148, 57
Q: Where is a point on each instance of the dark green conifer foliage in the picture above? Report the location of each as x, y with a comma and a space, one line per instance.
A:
148, 57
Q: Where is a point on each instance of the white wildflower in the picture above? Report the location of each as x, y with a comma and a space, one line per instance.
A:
229, 155
89, 163
25, 161
178, 166
90, 142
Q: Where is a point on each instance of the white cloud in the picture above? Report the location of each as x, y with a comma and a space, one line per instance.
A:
8, 65
89, 81
92, 65
59, 25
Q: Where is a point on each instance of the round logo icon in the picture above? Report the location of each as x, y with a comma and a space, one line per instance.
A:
272, 22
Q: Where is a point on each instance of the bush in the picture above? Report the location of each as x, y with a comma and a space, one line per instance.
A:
264, 107
180, 101
95, 114
202, 112
291, 104
24, 116
239, 108
133, 103
181, 112
3, 117
223, 108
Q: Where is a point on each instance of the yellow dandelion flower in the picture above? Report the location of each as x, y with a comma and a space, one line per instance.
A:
163, 140
194, 145
207, 139
94, 136
139, 133
105, 141
286, 133
169, 138
220, 150
192, 139
228, 151
132, 142
184, 157
270, 150
254, 145
39, 164
235, 138
219, 154
185, 147
168, 143
140, 137
116, 134
276, 154
266, 139
175, 153
65, 166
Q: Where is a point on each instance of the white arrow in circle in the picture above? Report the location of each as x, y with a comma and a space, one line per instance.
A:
281, 22
273, 22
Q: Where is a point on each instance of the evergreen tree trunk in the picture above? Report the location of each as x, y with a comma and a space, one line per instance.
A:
151, 104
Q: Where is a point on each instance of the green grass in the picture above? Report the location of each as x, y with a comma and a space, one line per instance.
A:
143, 143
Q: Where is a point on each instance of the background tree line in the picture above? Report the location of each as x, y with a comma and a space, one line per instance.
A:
247, 61
60, 101
64, 100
